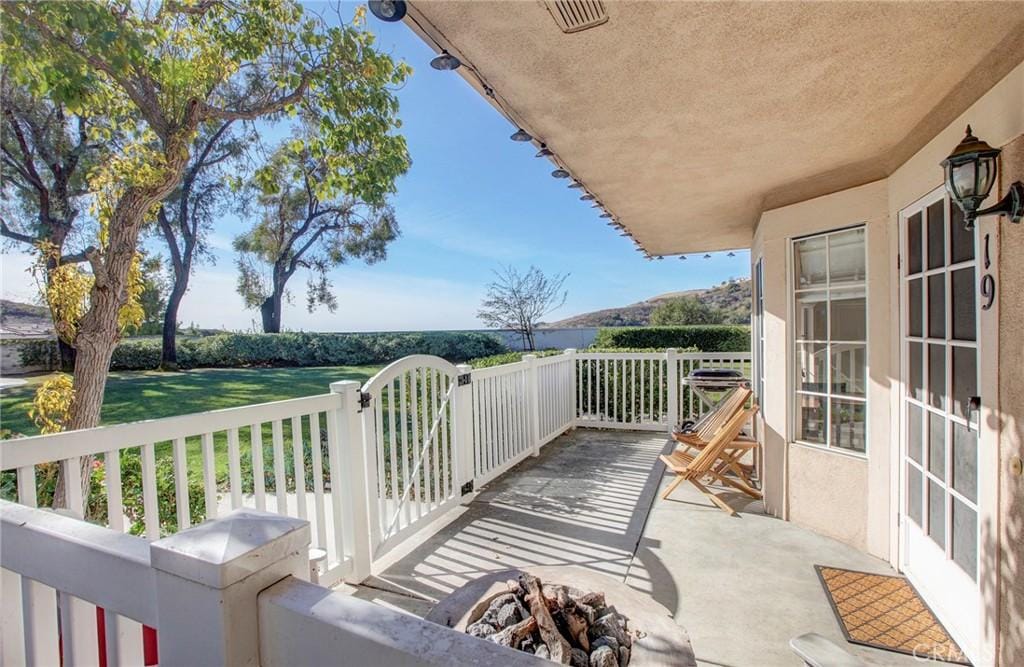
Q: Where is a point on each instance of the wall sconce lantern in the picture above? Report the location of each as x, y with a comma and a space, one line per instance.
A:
970, 174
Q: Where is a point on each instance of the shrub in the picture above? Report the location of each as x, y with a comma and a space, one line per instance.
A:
42, 353
508, 358
705, 338
306, 349
166, 497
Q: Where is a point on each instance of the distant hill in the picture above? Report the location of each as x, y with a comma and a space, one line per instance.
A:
24, 320
732, 296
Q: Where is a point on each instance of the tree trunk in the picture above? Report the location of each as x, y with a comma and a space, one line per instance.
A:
169, 349
270, 310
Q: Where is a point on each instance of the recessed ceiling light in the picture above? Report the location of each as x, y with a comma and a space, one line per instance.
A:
575, 185
560, 173
587, 197
544, 151
521, 135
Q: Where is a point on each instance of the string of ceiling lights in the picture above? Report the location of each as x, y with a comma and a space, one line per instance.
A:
392, 11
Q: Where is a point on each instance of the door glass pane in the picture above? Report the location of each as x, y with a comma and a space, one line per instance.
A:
965, 461
810, 425
915, 370
962, 288
937, 445
811, 365
937, 306
809, 258
937, 513
936, 239
915, 327
848, 419
961, 239
965, 379
849, 369
849, 317
965, 538
937, 376
811, 315
915, 431
846, 257
914, 244
914, 494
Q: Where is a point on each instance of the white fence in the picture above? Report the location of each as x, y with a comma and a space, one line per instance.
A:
643, 391
232, 591
366, 466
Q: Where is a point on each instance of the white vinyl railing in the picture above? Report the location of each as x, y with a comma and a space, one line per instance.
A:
73, 591
367, 467
285, 457
644, 390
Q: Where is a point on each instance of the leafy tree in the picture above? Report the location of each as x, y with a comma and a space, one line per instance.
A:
301, 228
518, 301
159, 71
186, 216
45, 154
685, 310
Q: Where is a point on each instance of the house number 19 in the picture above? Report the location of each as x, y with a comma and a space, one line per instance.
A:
988, 283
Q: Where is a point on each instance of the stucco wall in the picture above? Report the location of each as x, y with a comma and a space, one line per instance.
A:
1010, 289
836, 494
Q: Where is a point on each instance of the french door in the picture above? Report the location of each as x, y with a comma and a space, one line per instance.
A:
939, 527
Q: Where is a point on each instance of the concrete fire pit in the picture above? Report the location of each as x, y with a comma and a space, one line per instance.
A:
660, 643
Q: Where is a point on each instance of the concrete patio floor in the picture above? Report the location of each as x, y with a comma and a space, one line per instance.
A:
741, 586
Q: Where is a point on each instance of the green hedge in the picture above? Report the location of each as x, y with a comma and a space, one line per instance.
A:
38, 353
705, 338
508, 358
305, 349
514, 357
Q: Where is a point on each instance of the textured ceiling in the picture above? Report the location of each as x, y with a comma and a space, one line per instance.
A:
686, 119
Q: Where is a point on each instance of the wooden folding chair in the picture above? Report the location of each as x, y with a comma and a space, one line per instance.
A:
707, 428
720, 456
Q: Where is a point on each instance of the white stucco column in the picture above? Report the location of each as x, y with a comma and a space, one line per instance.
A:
207, 579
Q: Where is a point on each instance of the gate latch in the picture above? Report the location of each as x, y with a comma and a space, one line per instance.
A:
465, 378
467, 488
364, 400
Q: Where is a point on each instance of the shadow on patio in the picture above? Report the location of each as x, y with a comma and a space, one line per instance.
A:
582, 502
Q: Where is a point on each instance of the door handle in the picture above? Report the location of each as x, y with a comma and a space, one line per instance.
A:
973, 405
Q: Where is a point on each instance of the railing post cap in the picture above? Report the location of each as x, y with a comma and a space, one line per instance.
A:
463, 368
530, 357
672, 350
342, 386
570, 350
224, 551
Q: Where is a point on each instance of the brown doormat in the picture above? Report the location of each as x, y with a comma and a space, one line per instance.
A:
886, 612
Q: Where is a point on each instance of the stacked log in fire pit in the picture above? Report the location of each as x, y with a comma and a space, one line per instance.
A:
556, 622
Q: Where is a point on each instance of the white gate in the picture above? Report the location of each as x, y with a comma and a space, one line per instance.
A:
413, 443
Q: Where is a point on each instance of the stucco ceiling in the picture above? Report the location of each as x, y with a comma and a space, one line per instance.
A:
686, 119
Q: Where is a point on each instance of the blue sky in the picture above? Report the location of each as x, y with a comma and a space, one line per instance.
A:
472, 201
